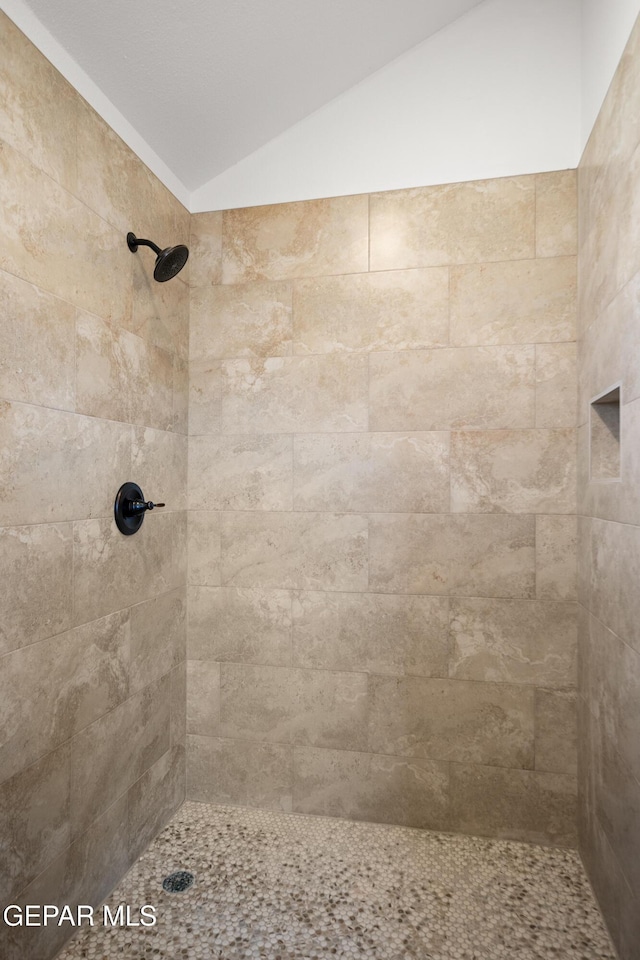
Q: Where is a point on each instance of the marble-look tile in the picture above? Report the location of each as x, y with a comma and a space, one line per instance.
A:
37, 345
178, 691
245, 472
394, 310
488, 723
205, 246
556, 556
154, 798
464, 387
54, 688
288, 705
490, 556
305, 551
112, 753
158, 637
513, 471
522, 804
114, 182
160, 313
517, 301
204, 548
556, 731
363, 786
205, 396
38, 104
429, 226
45, 452
375, 472
58, 243
616, 791
556, 385
376, 633
203, 698
36, 569
83, 873
615, 569
243, 625
159, 465
285, 240
556, 214
112, 571
239, 772
514, 641
241, 320
295, 394
34, 820
180, 421
121, 377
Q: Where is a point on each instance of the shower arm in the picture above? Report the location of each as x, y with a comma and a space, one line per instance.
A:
144, 243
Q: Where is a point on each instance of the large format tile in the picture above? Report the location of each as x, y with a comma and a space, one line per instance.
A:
465, 387
122, 377
154, 798
288, 705
37, 345
363, 786
492, 556
556, 557
58, 243
556, 388
36, 568
55, 688
203, 548
522, 804
375, 472
427, 226
239, 772
489, 723
59, 466
376, 633
160, 312
158, 637
294, 550
205, 396
295, 394
205, 247
513, 471
514, 641
556, 731
394, 310
38, 103
518, 301
34, 820
556, 214
112, 571
203, 698
245, 472
241, 320
248, 625
112, 753
306, 239
159, 466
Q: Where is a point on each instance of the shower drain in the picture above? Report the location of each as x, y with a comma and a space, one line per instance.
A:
178, 882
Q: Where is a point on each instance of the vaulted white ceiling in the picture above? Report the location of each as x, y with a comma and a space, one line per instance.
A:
206, 82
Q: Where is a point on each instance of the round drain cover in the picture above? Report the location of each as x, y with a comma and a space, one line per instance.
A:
178, 882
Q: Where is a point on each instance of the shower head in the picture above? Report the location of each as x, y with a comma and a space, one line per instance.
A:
169, 261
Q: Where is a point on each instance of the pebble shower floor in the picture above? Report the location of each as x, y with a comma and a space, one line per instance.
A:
290, 887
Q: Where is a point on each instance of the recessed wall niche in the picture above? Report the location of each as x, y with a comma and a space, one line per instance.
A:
604, 439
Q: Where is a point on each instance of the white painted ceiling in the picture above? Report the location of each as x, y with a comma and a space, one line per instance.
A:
207, 82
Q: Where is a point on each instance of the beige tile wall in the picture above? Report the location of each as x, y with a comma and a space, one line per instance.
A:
382, 530
93, 392
609, 530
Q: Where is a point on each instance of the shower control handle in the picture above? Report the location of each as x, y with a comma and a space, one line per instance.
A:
139, 506
130, 508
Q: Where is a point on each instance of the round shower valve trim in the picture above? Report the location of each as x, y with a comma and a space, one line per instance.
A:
130, 507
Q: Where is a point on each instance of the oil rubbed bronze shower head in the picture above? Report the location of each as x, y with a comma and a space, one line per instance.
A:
169, 261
